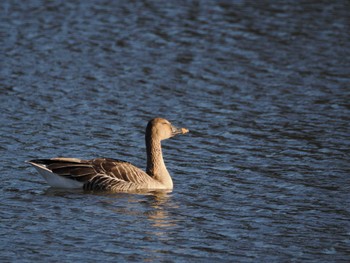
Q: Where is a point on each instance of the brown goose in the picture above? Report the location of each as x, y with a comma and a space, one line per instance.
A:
110, 174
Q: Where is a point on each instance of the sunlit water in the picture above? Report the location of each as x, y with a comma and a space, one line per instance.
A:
264, 174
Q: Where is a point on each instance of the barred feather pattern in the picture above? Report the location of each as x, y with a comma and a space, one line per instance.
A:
101, 182
120, 170
100, 174
117, 175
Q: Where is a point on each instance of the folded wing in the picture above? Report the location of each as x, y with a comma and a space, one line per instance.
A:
95, 174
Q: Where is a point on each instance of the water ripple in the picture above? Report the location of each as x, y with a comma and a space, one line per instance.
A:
263, 88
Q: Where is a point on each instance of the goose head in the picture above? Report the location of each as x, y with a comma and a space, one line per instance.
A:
161, 129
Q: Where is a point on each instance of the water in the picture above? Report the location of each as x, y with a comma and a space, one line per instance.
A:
263, 87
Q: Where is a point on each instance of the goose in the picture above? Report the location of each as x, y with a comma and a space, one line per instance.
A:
108, 174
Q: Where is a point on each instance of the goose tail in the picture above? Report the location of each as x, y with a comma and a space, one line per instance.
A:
54, 180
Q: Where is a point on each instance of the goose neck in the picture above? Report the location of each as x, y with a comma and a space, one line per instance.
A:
155, 163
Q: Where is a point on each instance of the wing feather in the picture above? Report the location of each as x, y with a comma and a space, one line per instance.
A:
97, 174
120, 169
102, 182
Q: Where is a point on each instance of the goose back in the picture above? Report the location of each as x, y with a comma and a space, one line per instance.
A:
96, 174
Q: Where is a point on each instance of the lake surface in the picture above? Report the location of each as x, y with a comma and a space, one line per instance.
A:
263, 87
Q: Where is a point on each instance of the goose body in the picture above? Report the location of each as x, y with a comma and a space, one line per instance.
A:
111, 174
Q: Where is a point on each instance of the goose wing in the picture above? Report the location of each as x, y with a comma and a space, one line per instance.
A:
69, 168
108, 183
86, 170
120, 170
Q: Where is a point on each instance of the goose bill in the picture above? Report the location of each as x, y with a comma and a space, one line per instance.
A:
176, 130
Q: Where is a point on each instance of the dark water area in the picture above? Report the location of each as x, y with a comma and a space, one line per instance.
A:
263, 86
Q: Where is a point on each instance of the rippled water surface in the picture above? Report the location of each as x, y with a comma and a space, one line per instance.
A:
264, 174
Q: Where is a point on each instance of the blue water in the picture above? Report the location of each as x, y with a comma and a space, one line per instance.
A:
264, 88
